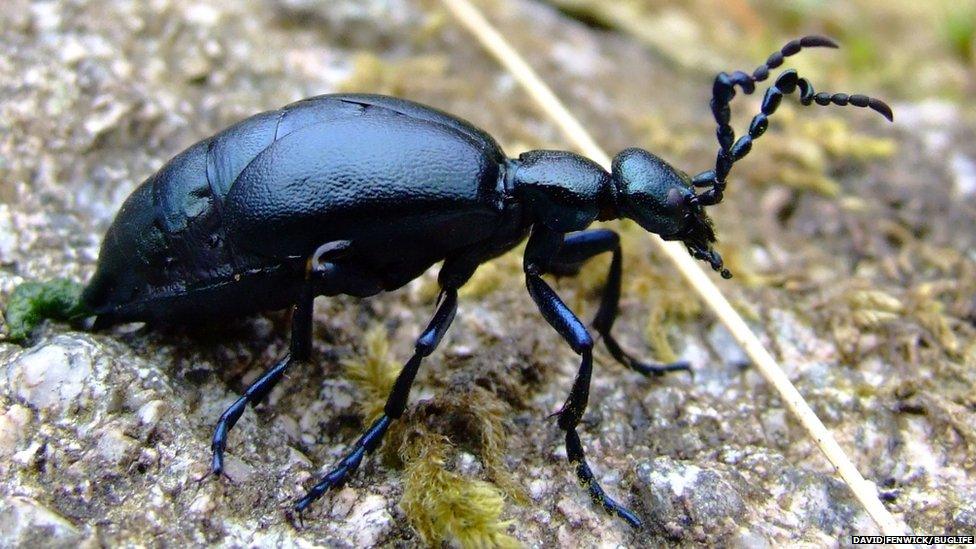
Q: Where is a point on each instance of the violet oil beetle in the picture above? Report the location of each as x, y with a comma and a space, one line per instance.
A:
359, 194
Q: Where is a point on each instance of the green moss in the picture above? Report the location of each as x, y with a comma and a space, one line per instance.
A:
806, 160
33, 302
500, 272
488, 278
959, 32
397, 77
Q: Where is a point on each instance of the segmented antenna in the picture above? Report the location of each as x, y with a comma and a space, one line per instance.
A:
723, 90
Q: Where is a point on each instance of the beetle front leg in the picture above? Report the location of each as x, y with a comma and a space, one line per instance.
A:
584, 245
542, 245
396, 403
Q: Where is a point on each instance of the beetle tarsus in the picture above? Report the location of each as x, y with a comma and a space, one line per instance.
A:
646, 368
366, 444
253, 395
574, 450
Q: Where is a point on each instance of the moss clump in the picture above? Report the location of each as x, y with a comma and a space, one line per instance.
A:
959, 32
373, 372
33, 302
442, 505
378, 75
805, 161
871, 308
471, 417
445, 506
500, 272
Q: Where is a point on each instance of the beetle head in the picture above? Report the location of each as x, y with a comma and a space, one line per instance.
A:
661, 199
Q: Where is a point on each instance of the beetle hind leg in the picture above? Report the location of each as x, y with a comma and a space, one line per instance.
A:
396, 403
300, 350
322, 276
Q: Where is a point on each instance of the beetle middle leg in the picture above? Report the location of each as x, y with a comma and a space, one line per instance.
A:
542, 247
581, 246
395, 405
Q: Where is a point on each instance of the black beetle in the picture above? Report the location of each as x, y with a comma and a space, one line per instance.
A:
359, 194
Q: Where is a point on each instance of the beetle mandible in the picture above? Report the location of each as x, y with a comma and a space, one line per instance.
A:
360, 194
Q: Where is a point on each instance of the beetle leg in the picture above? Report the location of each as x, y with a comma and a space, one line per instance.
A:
581, 246
319, 271
300, 350
542, 243
396, 403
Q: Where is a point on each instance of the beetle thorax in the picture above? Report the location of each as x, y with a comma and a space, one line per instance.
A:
562, 190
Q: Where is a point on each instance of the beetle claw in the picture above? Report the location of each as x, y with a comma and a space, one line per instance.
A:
296, 518
205, 476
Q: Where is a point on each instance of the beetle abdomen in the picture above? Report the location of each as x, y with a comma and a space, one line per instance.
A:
355, 178
256, 197
167, 239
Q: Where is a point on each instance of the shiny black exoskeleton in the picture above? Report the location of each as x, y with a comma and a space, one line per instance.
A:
359, 194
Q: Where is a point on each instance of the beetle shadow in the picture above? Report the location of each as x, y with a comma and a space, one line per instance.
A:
200, 352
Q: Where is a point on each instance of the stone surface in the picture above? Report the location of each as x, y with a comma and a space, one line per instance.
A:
865, 297
25, 522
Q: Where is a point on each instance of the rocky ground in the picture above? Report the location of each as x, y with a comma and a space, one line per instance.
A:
851, 240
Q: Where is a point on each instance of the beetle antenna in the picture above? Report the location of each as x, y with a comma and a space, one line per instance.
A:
723, 90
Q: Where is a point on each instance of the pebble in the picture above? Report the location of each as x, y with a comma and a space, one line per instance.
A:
51, 376
24, 522
368, 522
13, 424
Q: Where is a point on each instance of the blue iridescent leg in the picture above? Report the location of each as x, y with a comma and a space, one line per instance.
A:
299, 351
395, 405
542, 246
321, 274
581, 246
